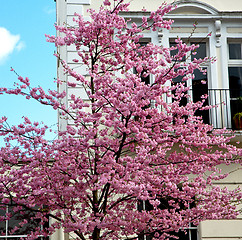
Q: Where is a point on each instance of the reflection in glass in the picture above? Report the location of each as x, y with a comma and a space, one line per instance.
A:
235, 51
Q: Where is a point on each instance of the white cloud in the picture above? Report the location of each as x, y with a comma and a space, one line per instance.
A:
49, 10
8, 43
20, 46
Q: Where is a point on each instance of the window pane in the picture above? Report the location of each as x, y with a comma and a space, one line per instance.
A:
15, 220
201, 51
193, 234
144, 77
2, 224
148, 237
235, 51
181, 235
148, 206
175, 51
235, 85
178, 79
141, 237
175, 81
235, 81
20, 216
199, 88
140, 205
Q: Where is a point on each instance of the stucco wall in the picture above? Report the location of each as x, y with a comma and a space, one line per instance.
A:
209, 230
136, 5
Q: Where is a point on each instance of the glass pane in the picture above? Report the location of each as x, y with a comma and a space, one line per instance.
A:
176, 80
144, 77
15, 220
236, 109
149, 237
148, 206
235, 82
181, 235
199, 88
2, 224
235, 51
193, 234
201, 51
25, 229
140, 205
163, 203
141, 237
175, 51
235, 86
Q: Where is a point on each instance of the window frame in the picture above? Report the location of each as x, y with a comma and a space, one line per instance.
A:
17, 236
188, 229
191, 81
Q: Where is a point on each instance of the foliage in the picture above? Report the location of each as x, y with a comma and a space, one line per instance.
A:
117, 151
237, 115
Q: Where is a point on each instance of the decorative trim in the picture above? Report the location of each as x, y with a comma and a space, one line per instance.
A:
197, 4
218, 32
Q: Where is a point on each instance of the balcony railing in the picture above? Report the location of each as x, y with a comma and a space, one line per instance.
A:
226, 102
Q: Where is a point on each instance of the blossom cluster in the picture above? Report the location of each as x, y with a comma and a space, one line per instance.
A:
124, 145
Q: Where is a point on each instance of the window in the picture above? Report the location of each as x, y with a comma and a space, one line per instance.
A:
144, 77
190, 233
199, 84
174, 52
235, 51
201, 52
175, 81
200, 88
7, 226
235, 80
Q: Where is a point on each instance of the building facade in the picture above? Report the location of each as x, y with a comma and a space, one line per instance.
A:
219, 34
224, 84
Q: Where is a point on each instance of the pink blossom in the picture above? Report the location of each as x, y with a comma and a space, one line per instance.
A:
121, 146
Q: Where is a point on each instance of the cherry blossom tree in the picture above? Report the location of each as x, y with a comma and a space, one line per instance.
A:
131, 142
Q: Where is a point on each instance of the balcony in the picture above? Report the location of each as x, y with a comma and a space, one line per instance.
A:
226, 102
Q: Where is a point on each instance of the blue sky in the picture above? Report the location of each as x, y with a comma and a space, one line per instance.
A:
23, 46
